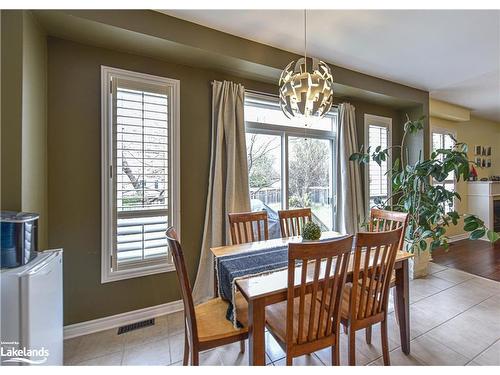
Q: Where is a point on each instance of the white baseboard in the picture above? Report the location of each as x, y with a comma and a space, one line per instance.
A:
458, 237
118, 320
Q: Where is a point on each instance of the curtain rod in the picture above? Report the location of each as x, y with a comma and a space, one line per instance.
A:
262, 93
252, 91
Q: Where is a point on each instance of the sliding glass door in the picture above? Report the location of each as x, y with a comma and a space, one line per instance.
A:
310, 177
289, 166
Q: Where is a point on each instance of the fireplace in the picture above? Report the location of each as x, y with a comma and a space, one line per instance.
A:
496, 214
484, 202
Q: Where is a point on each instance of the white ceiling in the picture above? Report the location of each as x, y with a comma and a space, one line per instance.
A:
453, 54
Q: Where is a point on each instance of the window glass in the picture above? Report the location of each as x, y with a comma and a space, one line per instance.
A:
378, 180
269, 112
286, 167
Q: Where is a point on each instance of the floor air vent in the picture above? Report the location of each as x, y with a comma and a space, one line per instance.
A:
134, 326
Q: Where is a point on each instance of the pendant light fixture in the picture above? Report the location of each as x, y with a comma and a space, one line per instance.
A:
306, 87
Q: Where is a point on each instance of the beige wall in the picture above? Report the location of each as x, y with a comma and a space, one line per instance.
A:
476, 131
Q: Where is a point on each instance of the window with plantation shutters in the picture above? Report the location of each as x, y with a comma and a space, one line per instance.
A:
377, 134
442, 139
140, 172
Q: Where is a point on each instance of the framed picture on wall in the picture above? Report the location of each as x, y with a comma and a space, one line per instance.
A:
483, 163
484, 151
477, 150
488, 151
488, 163
478, 161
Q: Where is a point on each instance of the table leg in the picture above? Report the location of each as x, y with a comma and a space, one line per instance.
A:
216, 290
256, 330
403, 305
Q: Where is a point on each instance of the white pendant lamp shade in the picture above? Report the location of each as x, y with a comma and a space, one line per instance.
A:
306, 87
306, 90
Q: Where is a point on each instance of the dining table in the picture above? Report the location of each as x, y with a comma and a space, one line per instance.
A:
271, 287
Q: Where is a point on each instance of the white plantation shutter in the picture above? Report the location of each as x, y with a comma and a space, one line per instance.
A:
377, 133
443, 140
378, 178
139, 190
141, 169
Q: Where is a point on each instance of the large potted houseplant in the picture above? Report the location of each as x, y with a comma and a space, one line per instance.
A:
418, 190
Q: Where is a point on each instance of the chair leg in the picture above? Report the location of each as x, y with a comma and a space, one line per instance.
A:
289, 360
368, 334
336, 355
185, 361
352, 347
385, 342
344, 327
395, 306
195, 357
242, 346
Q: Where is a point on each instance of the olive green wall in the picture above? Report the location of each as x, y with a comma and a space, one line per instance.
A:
74, 172
24, 117
363, 108
34, 125
74, 155
418, 144
11, 77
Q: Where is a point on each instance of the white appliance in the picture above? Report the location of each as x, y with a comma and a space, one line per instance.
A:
32, 312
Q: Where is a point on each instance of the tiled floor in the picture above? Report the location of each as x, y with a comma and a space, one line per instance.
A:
455, 320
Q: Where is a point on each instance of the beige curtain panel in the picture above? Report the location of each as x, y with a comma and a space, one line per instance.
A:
350, 207
228, 184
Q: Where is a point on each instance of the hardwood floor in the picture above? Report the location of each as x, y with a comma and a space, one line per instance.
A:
477, 257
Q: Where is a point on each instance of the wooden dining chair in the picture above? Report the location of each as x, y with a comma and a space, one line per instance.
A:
292, 221
205, 325
248, 227
309, 320
365, 300
384, 220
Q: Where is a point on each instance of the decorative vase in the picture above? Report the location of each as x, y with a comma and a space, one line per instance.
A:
419, 264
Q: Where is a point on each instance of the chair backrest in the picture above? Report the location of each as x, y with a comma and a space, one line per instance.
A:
322, 275
185, 287
292, 221
248, 227
383, 220
374, 257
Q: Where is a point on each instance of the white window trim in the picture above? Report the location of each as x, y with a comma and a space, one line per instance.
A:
107, 204
379, 121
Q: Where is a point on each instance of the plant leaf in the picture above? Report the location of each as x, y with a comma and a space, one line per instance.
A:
477, 234
470, 226
492, 236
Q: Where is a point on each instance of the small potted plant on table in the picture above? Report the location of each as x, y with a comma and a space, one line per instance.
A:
311, 231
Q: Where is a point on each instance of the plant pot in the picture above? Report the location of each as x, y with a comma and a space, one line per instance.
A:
306, 240
419, 264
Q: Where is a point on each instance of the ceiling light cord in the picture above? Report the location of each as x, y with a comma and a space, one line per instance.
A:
305, 38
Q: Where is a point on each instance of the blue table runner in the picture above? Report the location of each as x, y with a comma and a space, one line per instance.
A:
246, 264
